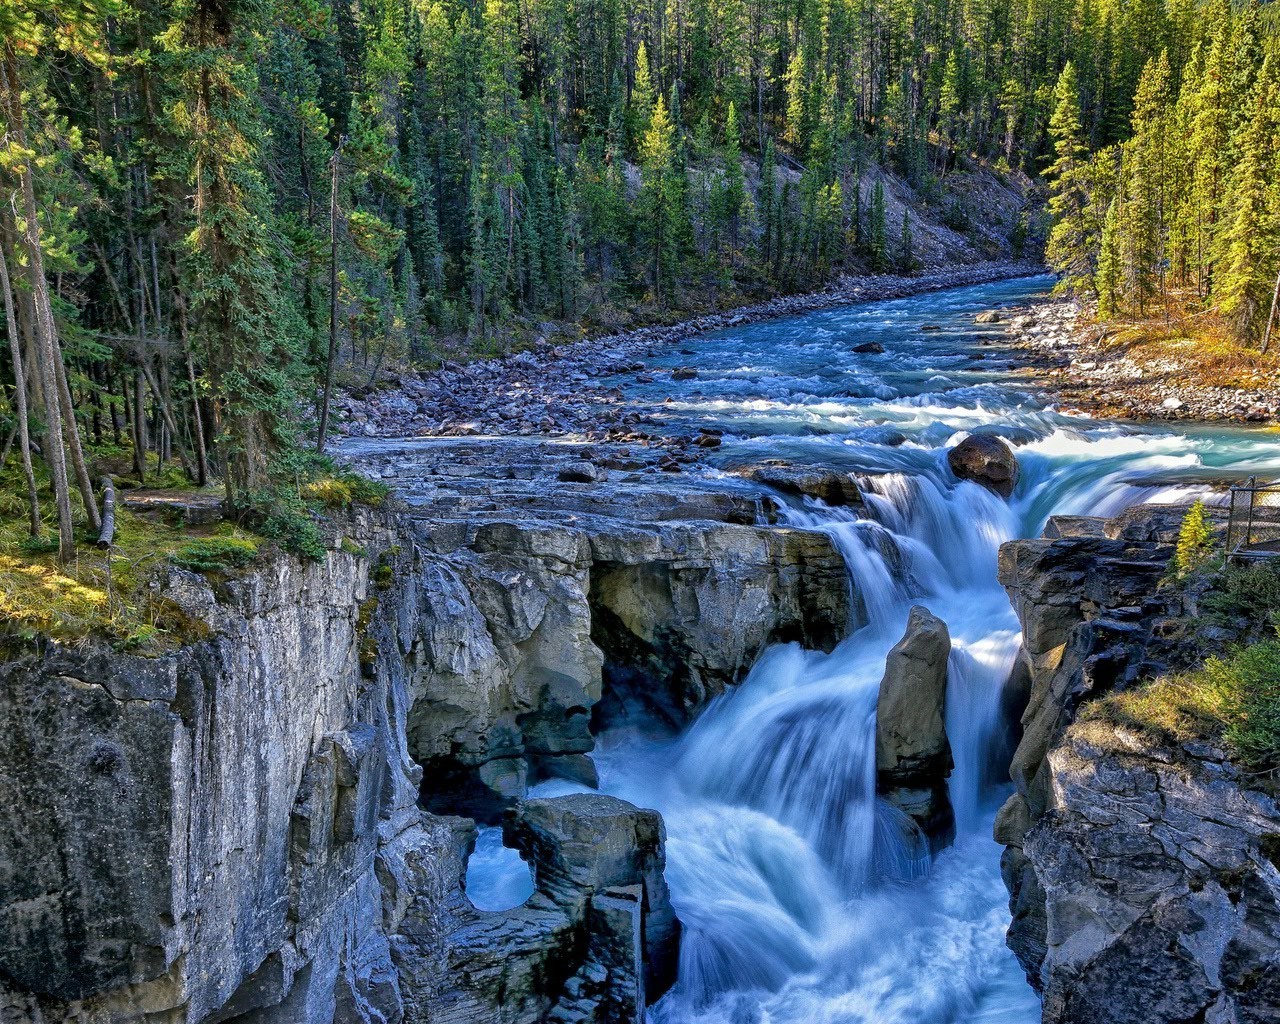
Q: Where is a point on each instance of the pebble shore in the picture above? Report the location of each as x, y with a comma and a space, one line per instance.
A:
1065, 353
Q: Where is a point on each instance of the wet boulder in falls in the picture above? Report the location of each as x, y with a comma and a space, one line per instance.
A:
985, 460
913, 754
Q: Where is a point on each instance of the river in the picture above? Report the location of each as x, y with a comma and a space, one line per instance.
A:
806, 900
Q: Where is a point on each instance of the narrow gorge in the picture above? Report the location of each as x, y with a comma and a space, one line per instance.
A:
772, 720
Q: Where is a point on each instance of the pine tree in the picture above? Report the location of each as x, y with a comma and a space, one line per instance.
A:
1107, 280
906, 244
735, 182
659, 198
879, 242
642, 101
1071, 240
1252, 234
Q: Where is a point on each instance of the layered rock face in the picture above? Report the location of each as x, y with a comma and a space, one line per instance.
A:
194, 837
1142, 878
913, 754
574, 606
1161, 886
271, 826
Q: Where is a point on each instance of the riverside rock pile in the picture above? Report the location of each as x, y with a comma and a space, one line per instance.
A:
573, 389
1069, 356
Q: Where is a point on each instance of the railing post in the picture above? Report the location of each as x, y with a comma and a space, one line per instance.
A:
1253, 498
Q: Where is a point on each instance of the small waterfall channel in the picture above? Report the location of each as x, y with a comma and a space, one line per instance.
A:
805, 898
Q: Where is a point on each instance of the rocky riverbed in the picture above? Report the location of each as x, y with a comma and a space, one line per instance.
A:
572, 389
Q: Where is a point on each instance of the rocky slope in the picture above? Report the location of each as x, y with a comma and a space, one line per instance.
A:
1143, 879
271, 825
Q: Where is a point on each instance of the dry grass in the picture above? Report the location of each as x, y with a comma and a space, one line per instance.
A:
1196, 342
1175, 709
1235, 699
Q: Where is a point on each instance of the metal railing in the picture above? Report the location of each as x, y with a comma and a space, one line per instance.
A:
1253, 527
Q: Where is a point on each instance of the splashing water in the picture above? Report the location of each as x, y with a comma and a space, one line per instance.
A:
806, 899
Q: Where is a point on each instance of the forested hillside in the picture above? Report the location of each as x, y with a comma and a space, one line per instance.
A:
211, 204
1185, 213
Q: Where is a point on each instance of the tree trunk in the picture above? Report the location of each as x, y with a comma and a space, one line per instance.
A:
333, 298
54, 450
1266, 336
20, 392
73, 439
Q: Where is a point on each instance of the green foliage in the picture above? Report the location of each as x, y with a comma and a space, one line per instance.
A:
1234, 699
343, 490
1249, 682
1195, 541
1250, 592
281, 515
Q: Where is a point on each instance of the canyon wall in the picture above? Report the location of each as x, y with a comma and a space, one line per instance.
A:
271, 825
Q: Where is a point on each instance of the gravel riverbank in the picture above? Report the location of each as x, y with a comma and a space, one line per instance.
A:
1074, 358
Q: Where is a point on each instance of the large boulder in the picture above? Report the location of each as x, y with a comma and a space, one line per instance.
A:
913, 754
985, 460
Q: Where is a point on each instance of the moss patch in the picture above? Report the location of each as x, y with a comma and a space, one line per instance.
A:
99, 594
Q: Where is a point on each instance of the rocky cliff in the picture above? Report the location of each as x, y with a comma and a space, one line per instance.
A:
1143, 876
272, 824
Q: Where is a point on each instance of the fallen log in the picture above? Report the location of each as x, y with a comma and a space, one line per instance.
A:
108, 513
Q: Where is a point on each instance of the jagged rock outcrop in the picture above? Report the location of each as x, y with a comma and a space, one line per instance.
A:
1160, 870
596, 941
987, 460
1142, 877
913, 754
623, 597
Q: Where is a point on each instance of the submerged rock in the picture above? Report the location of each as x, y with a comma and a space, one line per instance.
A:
986, 460
913, 754
872, 347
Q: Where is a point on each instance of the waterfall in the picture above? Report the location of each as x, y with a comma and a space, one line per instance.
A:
806, 899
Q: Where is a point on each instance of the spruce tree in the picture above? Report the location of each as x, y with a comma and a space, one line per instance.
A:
1252, 233
1069, 250
879, 241
906, 244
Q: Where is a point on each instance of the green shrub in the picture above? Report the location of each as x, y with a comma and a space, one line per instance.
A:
1250, 684
215, 554
345, 489
1249, 591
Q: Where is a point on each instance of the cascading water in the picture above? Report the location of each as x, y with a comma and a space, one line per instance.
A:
805, 899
